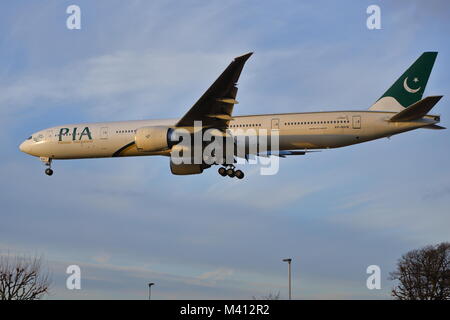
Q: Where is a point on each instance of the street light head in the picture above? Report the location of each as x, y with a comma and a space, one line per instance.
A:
150, 284
287, 260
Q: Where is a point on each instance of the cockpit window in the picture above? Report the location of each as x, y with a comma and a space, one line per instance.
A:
38, 137
29, 138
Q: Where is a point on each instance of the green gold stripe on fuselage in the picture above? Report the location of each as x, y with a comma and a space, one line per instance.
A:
125, 148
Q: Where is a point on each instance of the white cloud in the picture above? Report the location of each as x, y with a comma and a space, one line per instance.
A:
419, 220
102, 257
257, 192
116, 85
219, 274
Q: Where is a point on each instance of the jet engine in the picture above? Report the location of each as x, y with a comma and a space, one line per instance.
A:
182, 161
152, 139
185, 169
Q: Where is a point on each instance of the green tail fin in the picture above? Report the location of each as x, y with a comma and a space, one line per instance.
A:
409, 88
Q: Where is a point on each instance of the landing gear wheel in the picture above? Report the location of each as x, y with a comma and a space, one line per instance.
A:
48, 163
239, 174
222, 171
230, 173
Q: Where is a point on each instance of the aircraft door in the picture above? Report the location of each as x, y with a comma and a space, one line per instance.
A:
356, 121
104, 133
275, 124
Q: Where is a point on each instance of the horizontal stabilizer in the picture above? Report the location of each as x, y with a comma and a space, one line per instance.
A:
434, 127
416, 110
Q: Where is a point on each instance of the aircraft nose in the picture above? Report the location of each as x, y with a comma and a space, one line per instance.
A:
24, 147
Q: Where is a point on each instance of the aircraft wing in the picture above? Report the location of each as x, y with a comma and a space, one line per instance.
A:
215, 106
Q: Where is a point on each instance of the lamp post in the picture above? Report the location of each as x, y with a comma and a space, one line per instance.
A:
289, 260
150, 290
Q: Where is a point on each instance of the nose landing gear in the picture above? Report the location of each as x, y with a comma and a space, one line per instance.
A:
48, 163
231, 172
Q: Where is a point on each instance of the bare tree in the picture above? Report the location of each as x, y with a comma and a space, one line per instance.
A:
23, 278
423, 274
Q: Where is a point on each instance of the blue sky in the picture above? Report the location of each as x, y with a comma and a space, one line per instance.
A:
129, 221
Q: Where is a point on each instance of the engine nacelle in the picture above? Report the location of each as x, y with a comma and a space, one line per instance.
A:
152, 139
185, 169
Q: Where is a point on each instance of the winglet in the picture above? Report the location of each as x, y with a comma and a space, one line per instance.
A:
416, 110
244, 57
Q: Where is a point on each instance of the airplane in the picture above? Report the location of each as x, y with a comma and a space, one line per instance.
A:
400, 109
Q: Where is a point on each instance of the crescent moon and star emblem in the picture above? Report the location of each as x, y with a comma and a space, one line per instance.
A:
407, 88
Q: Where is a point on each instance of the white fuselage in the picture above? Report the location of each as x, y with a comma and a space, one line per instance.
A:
315, 130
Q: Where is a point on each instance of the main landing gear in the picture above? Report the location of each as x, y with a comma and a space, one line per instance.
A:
48, 163
230, 172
